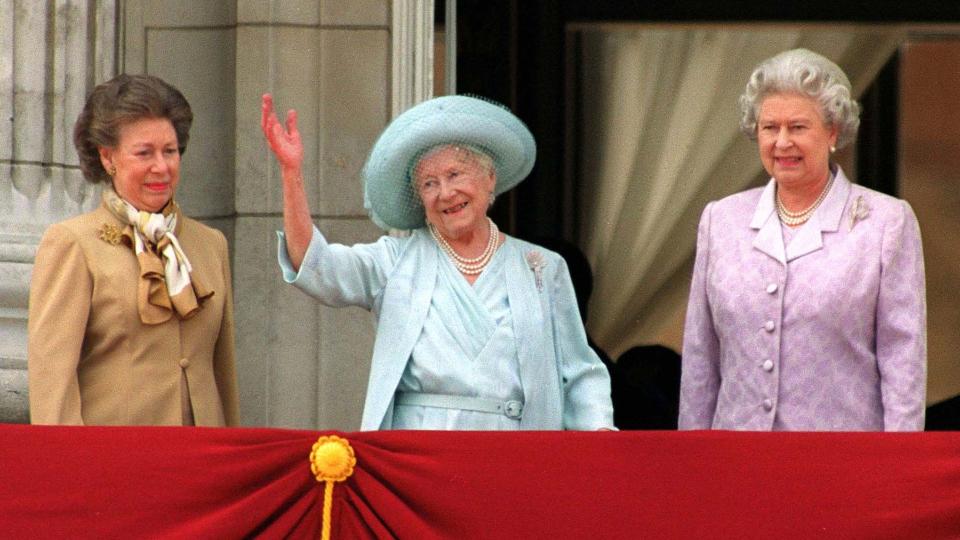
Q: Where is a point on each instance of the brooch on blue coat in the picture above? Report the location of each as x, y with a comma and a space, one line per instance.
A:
858, 211
536, 262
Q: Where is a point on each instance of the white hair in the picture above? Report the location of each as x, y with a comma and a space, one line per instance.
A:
804, 72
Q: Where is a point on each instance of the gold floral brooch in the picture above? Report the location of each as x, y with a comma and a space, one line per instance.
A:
110, 234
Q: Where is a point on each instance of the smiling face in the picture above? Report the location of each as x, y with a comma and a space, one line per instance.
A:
455, 189
147, 162
793, 140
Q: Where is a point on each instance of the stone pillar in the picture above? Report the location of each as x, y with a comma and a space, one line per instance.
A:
51, 55
306, 365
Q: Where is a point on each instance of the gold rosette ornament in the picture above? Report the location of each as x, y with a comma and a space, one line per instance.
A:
331, 460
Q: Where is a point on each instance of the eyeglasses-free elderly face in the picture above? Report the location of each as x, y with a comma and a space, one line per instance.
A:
793, 140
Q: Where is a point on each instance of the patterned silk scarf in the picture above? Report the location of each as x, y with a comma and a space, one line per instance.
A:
166, 285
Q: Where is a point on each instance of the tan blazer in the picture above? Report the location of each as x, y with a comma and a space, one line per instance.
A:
91, 360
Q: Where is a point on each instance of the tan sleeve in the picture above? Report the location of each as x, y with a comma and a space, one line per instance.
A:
60, 296
224, 362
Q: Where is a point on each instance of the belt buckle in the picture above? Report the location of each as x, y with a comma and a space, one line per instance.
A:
513, 409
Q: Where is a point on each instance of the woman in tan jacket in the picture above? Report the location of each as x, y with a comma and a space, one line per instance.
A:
131, 310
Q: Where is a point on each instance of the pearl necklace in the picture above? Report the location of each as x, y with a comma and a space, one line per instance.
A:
801, 217
473, 266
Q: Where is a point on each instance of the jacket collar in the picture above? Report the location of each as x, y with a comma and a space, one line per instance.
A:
809, 237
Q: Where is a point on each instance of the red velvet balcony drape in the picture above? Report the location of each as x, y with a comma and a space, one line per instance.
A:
126, 482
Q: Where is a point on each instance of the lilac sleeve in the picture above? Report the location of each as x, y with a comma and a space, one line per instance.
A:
902, 325
700, 379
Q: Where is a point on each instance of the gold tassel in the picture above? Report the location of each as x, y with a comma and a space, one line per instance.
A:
331, 460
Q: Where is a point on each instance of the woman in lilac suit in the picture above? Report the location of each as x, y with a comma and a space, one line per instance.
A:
807, 307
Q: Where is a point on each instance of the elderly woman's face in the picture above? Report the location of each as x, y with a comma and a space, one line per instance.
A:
793, 139
455, 190
147, 162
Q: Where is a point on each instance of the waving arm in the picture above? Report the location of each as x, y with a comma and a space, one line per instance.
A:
285, 143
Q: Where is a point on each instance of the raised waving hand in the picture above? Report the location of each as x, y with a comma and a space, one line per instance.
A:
285, 143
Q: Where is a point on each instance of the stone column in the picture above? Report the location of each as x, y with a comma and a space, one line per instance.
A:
51, 55
306, 365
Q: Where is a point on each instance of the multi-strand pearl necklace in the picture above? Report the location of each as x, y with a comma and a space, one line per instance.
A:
798, 218
474, 266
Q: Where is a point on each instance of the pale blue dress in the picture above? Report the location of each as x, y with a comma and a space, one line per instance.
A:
467, 348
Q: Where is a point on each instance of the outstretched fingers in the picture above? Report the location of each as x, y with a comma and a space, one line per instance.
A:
284, 141
271, 125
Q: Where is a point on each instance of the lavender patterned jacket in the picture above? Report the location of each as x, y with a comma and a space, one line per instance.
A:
827, 333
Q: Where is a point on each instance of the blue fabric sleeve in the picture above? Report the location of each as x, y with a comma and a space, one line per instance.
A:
339, 275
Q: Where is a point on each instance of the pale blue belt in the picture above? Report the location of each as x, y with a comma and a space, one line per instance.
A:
511, 408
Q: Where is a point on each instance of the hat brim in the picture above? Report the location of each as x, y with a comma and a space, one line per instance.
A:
388, 191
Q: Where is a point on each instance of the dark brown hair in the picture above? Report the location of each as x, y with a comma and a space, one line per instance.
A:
120, 101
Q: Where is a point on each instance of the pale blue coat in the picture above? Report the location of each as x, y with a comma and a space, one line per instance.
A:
565, 385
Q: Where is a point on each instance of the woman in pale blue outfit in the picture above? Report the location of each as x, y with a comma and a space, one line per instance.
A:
475, 329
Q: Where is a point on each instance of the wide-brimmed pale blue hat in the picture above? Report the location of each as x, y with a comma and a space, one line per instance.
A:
388, 193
